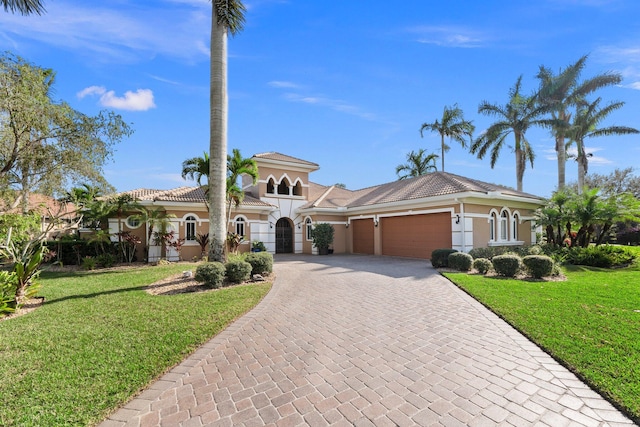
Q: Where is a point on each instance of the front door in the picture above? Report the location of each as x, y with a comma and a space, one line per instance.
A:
284, 236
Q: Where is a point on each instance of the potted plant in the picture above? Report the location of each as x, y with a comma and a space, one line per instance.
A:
258, 246
322, 235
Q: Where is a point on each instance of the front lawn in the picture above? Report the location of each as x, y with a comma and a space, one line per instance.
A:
591, 322
100, 338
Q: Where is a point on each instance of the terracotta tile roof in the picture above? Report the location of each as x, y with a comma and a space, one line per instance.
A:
47, 206
182, 194
429, 185
284, 158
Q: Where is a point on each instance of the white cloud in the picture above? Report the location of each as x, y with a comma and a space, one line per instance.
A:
334, 104
140, 100
448, 36
284, 84
109, 33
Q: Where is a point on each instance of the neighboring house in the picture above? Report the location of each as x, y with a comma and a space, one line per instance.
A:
57, 218
408, 218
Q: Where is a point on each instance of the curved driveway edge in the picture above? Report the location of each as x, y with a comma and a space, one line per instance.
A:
367, 341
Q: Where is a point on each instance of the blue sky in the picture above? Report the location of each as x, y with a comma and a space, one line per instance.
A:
343, 83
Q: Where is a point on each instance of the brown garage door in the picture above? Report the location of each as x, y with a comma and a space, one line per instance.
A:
415, 236
362, 236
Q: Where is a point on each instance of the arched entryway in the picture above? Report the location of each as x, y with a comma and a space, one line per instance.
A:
284, 236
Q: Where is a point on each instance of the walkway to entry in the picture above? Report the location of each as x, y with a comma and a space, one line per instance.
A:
367, 341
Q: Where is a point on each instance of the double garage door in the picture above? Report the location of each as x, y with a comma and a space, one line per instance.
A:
412, 236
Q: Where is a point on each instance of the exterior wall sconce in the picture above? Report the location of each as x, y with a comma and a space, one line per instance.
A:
299, 226
457, 219
375, 222
347, 225
270, 224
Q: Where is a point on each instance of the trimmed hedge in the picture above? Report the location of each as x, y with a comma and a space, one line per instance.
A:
440, 257
493, 251
211, 274
238, 271
507, 265
460, 261
538, 266
261, 262
483, 265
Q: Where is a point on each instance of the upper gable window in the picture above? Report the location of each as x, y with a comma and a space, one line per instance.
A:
283, 187
297, 189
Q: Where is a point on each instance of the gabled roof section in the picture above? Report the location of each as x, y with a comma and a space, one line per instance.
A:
430, 185
284, 160
183, 195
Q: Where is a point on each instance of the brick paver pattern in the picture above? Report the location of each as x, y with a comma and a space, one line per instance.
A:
367, 341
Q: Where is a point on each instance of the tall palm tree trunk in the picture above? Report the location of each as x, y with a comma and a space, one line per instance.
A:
442, 149
582, 171
562, 154
218, 141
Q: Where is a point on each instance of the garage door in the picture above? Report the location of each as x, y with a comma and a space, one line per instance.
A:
362, 236
415, 236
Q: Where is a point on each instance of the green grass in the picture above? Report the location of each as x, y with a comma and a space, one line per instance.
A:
99, 339
591, 322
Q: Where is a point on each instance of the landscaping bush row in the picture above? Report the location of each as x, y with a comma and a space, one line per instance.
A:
605, 256
507, 265
74, 252
236, 270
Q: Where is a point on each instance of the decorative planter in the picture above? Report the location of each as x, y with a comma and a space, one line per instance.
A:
323, 251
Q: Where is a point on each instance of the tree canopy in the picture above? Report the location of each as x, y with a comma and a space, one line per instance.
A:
45, 145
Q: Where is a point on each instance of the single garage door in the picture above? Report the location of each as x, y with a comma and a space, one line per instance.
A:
362, 236
415, 236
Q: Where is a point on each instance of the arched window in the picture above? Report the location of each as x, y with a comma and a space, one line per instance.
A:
504, 225
271, 186
240, 226
492, 227
297, 189
283, 187
190, 228
514, 227
309, 227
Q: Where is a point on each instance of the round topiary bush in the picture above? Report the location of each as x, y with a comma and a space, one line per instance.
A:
210, 274
538, 266
440, 257
483, 265
238, 271
261, 262
506, 265
460, 261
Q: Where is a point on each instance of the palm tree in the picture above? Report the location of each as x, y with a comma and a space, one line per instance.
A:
196, 168
227, 17
25, 7
152, 217
236, 167
418, 164
585, 124
452, 125
515, 117
562, 91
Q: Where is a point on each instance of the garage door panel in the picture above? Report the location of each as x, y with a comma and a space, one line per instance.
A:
362, 236
415, 236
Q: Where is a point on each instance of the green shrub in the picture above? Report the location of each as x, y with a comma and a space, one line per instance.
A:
261, 262
89, 263
210, 274
8, 286
482, 265
106, 260
600, 256
507, 265
460, 261
538, 266
238, 271
440, 257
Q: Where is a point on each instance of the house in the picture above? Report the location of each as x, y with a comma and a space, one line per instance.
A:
57, 218
407, 218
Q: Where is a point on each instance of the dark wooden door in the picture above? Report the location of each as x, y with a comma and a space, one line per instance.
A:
284, 237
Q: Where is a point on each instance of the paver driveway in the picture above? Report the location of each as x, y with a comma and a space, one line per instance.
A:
360, 340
